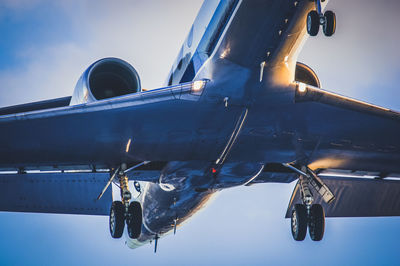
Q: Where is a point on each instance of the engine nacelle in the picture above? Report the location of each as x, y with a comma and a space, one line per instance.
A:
305, 74
106, 78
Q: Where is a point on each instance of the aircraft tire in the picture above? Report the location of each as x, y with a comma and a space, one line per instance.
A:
298, 222
329, 27
134, 222
313, 23
116, 219
316, 222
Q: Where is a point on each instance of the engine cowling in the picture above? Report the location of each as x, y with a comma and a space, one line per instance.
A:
305, 74
106, 78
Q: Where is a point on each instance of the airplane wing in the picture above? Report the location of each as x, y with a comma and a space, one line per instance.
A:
364, 136
95, 135
65, 191
306, 93
35, 177
355, 195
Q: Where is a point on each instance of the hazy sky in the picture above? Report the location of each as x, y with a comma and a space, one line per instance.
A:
46, 45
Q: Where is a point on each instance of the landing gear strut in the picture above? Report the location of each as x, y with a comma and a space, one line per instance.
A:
308, 214
124, 211
316, 18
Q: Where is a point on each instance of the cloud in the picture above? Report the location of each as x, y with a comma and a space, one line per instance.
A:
50, 73
100, 30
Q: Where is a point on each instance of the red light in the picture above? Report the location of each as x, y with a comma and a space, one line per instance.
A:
213, 170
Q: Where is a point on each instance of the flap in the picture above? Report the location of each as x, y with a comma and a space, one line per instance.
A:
70, 193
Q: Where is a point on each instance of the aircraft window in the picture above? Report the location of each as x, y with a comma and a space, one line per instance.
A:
170, 80
189, 73
190, 38
180, 64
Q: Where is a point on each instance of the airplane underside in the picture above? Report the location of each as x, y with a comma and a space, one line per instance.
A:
234, 113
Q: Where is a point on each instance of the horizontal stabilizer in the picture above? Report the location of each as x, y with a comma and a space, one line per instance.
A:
357, 197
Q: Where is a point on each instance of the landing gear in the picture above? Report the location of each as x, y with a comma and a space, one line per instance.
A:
125, 211
117, 219
312, 216
316, 222
315, 18
134, 221
308, 214
299, 222
329, 26
313, 23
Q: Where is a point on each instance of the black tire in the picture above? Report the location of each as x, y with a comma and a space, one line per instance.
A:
330, 23
299, 222
316, 222
134, 222
116, 219
313, 23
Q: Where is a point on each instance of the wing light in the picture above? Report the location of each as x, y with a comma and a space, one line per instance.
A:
198, 86
302, 88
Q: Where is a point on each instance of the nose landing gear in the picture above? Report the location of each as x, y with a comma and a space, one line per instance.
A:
316, 18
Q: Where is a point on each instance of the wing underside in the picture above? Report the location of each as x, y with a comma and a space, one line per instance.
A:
65, 191
69, 193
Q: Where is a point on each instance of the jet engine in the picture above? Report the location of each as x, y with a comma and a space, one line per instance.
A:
305, 74
106, 78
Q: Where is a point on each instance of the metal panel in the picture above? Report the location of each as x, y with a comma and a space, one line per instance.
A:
70, 193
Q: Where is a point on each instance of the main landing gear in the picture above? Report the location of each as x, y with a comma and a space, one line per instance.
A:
124, 211
315, 18
308, 214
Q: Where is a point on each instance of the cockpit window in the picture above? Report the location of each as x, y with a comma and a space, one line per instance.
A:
190, 38
170, 79
180, 64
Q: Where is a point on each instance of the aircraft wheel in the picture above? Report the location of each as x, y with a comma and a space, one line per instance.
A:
134, 222
316, 222
117, 219
299, 222
330, 23
313, 23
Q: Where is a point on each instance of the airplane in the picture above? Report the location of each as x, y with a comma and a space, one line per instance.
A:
237, 110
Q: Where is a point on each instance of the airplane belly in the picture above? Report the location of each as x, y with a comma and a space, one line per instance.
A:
162, 208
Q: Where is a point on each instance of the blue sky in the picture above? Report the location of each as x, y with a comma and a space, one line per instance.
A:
46, 45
